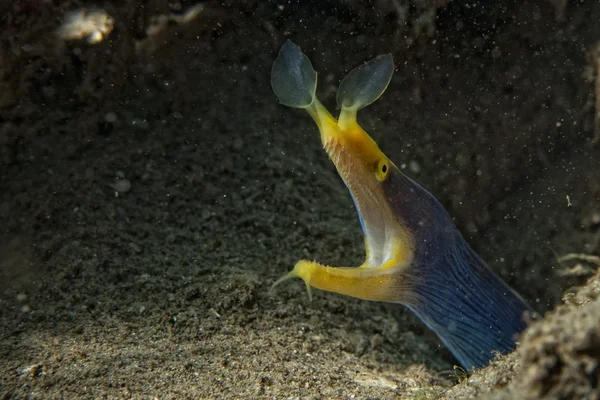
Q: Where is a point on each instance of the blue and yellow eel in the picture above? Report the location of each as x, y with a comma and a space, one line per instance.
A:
415, 255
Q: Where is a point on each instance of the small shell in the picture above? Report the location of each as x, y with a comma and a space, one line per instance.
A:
121, 185
94, 25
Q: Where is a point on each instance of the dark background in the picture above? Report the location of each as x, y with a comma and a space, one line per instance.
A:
164, 290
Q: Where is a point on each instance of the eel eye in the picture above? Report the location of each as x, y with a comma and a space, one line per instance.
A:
382, 169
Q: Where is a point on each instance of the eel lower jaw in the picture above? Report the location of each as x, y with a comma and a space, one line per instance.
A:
375, 284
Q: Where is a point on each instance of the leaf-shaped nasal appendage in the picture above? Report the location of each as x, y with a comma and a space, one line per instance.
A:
293, 78
364, 84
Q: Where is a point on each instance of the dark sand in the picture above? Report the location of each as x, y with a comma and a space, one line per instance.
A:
163, 291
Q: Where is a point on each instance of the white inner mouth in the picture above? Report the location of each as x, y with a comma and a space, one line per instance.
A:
376, 220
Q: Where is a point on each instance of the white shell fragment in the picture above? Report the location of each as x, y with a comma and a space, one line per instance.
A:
120, 186
94, 25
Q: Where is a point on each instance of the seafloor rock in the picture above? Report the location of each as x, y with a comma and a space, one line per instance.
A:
560, 354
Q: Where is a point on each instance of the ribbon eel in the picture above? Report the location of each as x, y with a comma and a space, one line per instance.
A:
415, 255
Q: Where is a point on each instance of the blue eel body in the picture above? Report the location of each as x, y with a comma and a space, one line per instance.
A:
454, 292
